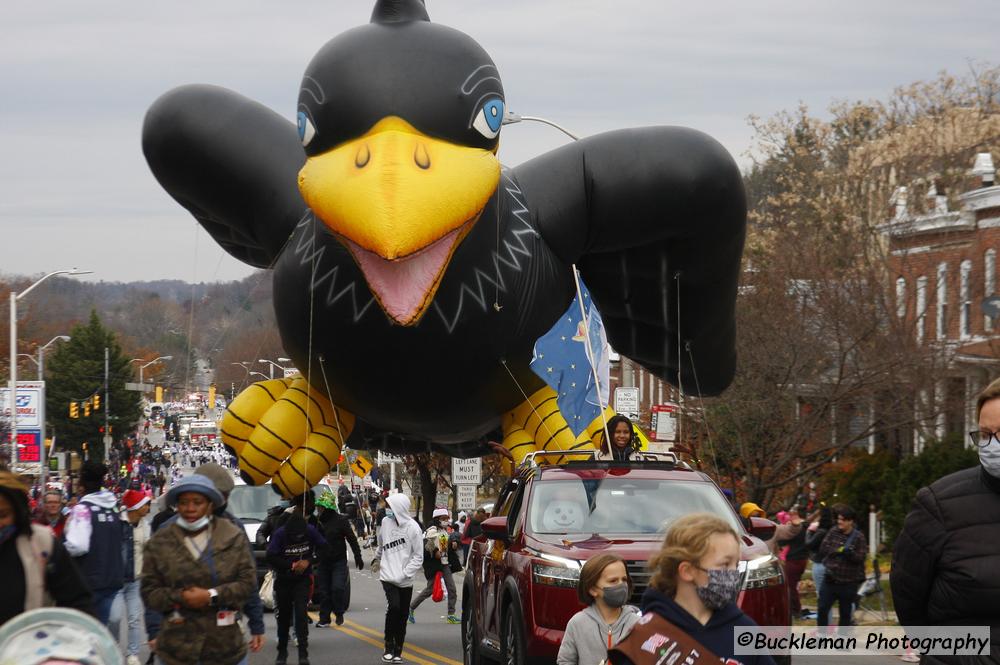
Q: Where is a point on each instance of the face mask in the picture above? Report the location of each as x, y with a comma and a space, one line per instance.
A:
197, 525
615, 596
722, 588
389, 513
7, 532
989, 457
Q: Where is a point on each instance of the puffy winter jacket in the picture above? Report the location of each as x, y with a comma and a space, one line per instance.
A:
946, 563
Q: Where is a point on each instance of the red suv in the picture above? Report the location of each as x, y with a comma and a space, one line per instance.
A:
520, 581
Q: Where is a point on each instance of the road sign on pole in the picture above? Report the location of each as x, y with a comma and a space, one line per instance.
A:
627, 402
466, 471
466, 495
664, 422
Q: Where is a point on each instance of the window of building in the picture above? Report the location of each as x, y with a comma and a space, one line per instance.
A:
964, 299
921, 308
942, 301
989, 281
901, 297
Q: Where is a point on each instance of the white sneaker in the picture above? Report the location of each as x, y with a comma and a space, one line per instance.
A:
133, 660
387, 657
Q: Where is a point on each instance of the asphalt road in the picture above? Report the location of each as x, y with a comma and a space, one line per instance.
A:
430, 641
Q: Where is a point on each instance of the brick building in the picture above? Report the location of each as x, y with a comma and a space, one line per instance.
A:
944, 263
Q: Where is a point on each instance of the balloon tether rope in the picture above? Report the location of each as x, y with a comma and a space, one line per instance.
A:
527, 399
708, 430
336, 416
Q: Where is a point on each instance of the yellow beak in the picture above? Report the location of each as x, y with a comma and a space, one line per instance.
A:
402, 202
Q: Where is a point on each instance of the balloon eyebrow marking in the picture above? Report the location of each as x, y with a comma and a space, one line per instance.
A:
318, 95
467, 89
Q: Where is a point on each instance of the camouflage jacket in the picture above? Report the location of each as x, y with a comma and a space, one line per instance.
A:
168, 568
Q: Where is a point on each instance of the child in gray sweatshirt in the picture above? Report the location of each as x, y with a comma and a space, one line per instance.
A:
604, 587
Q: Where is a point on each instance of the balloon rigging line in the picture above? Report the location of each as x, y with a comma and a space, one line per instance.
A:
527, 399
590, 356
190, 335
708, 430
336, 416
680, 381
309, 355
496, 264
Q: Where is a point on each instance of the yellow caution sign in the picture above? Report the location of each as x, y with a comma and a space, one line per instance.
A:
361, 466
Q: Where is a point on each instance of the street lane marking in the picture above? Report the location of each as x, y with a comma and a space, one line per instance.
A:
426, 652
380, 643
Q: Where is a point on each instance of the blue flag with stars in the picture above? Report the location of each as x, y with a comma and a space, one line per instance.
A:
560, 358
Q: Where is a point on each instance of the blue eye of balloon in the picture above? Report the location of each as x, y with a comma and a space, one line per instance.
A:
306, 129
489, 119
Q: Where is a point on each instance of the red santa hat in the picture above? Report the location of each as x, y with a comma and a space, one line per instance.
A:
134, 500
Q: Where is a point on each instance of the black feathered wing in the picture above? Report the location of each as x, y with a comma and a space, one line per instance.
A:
655, 219
232, 163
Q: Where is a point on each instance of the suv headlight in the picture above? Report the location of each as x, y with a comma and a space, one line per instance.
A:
555, 575
764, 571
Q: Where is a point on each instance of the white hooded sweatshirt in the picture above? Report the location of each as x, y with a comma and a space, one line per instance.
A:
400, 544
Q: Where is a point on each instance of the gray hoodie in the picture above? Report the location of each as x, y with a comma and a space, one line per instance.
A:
585, 641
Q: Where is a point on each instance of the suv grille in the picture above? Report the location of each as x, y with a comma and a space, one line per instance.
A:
639, 572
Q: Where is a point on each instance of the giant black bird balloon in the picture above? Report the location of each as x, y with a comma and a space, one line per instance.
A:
413, 273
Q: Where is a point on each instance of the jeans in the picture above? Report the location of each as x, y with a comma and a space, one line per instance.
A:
844, 594
819, 573
396, 610
103, 600
129, 603
291, 594
331, 584
449, 584
242, 662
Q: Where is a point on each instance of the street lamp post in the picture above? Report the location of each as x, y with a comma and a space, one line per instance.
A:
14, 297
151, 362
274, 364
41, 355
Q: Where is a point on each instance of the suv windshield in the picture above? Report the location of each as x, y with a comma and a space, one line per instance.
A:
251, 502
615, 505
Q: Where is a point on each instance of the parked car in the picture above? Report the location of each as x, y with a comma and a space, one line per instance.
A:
520, 585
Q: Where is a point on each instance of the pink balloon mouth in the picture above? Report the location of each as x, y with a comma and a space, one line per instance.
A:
406, 286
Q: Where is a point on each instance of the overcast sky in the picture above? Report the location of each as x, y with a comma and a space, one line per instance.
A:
77, 77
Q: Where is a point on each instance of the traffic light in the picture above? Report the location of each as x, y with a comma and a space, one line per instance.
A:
86, 409
74, 410
97, 402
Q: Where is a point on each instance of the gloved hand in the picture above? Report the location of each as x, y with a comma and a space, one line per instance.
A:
360, 562
839, 550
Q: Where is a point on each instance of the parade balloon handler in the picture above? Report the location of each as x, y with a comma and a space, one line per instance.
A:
946, 562
197, 572
332, 573
440, 555
398, 557
93, 537
33, 561
691, 597
390, 224
290, 553
604, 587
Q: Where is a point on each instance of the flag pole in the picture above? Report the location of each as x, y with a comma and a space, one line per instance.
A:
590, 356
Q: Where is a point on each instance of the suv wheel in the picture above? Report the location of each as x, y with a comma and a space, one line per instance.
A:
470, 639
513, 636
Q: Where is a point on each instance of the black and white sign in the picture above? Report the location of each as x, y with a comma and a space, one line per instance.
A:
466, 495
627, 402
466, 471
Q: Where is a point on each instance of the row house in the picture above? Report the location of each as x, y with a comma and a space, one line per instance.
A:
944, 263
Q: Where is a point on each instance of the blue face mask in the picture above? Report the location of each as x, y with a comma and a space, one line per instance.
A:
7, 532
389, 513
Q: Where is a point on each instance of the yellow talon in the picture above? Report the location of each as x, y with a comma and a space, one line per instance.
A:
286, 432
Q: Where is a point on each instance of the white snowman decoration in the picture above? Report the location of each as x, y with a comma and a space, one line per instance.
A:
563, 516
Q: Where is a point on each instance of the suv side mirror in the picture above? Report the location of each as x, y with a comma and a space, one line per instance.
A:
762, 528
495, 528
